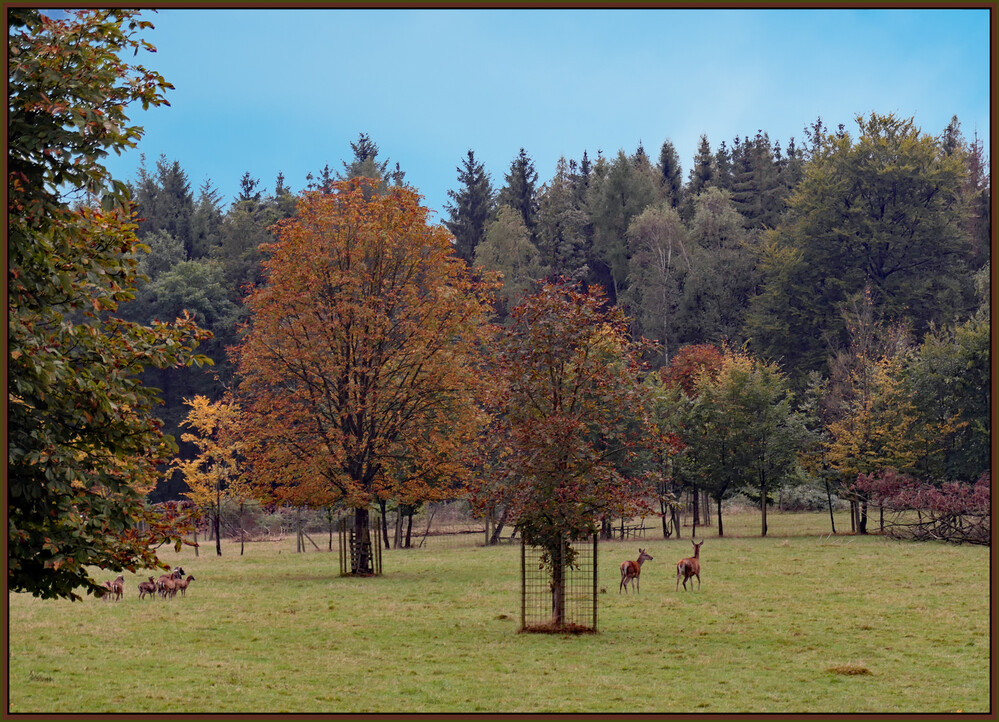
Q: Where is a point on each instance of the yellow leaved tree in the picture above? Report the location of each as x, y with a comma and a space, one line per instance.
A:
214, 476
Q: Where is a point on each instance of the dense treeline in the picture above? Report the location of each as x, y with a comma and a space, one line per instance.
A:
761, 246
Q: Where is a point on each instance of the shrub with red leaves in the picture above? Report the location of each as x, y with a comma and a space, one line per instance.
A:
954, 511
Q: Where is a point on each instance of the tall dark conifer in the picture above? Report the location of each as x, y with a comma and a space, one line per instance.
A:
471, 207
670, 174
520, 191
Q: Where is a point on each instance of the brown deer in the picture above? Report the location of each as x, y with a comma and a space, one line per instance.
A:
113, 589
118, 587
690, 567
181, 584
166, 580
147, 588
630, 571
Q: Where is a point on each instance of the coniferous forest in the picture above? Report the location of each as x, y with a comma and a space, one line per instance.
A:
771, 313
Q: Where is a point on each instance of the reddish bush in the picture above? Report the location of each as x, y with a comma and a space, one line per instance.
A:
954, 511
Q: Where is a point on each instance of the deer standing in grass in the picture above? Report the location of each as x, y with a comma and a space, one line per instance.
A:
630, 571
690, 567
147, 588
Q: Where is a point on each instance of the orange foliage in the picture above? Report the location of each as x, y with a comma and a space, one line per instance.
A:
359, 377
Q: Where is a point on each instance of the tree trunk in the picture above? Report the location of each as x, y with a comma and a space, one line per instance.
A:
385, 536
218, 515
832, 519
329, 518
763, 503
409, 529
242, 529
695, 513
360, 553
862, 525
196, 540
299, 541
558, 586
721, 529
498, 529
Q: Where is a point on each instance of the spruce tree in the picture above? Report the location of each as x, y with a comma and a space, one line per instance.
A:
629, 187
471, 209
206, 221
703, 172
562, 224
520, 191
670, 174
165, 202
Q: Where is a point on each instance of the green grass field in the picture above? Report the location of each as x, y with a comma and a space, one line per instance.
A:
790, 623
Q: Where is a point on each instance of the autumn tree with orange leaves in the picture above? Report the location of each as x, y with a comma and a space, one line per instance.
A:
359, 373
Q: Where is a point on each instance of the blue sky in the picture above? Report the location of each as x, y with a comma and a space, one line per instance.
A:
288, 90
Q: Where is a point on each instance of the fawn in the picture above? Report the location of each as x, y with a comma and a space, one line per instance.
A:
630, 571
690, 567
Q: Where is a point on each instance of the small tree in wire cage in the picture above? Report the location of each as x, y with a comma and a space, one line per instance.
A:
573, 416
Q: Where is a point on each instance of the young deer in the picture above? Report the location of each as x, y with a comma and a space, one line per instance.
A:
630, 571
690, 567
147, 588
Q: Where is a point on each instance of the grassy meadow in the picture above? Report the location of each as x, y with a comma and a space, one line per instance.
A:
798, 622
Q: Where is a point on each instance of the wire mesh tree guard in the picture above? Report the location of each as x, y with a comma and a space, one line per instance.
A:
360, 554
556, 596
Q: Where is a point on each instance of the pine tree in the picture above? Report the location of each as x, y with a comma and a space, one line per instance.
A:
703, 172
723, 166
471, 209
520, 191
670, 174
206, 221
562, 223
248, 189
165, 202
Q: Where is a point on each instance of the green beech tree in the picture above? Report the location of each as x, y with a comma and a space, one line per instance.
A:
881, 211
507, 248
84, 443
740, 432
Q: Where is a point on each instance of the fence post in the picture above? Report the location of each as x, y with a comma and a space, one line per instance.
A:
523, 583
595, 567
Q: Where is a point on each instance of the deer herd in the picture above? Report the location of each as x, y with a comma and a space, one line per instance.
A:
631, 571
166, 586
